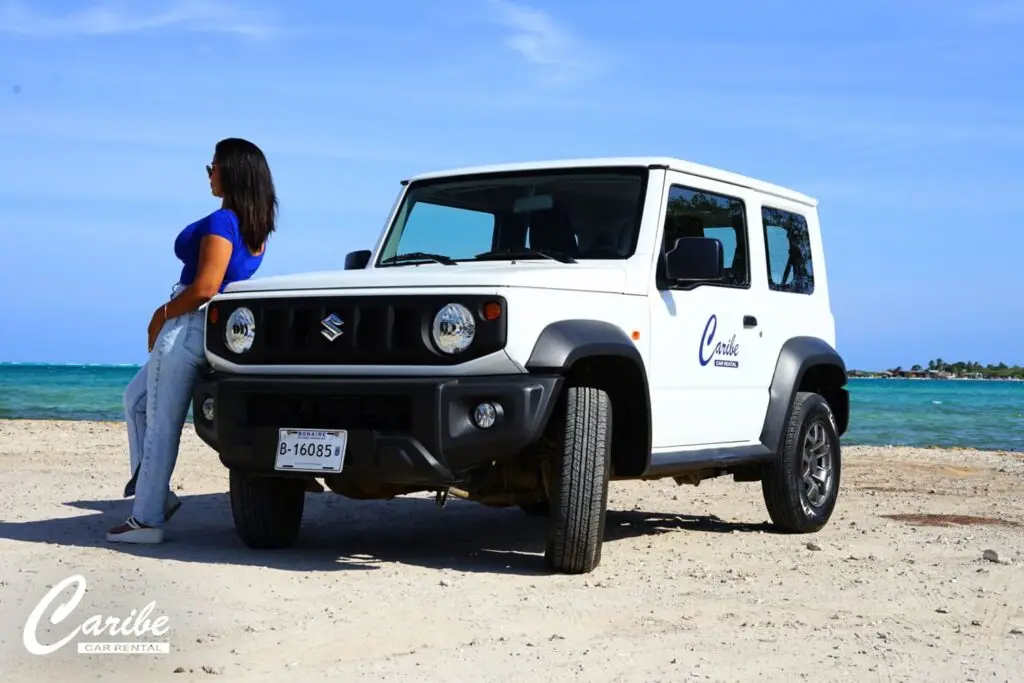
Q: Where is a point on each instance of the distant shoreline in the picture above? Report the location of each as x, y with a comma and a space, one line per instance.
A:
39, 364
861, 374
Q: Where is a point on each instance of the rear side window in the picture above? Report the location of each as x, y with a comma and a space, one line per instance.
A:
788, 246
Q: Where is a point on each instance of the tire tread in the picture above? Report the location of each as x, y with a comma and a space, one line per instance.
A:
267, 511
781, 496
577, 525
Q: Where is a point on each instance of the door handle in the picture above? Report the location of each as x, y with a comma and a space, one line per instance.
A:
749, 321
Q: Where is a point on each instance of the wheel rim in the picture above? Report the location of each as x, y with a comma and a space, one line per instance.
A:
817, 466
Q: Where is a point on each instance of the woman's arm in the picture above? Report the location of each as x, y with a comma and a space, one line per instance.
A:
214, 254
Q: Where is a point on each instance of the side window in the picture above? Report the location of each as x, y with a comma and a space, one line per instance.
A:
698, 213
788, 247
452, 231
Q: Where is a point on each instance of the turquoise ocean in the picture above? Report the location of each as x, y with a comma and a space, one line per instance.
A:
954, 413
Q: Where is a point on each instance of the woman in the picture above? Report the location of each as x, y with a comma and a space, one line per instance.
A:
223, 247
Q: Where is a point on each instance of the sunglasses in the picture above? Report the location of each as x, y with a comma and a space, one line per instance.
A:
209, 170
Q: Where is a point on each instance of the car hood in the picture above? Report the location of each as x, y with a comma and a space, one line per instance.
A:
580, 276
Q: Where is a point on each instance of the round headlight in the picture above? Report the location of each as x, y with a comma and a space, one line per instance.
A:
454, 328
240, 330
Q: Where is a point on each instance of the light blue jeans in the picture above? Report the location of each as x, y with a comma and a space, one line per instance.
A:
156, 404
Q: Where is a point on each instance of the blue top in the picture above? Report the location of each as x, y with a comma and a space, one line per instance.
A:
223, 223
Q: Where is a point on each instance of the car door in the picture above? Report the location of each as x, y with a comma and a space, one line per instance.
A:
794, 304
706, 351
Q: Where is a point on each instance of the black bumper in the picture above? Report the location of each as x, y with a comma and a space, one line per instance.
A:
408, 430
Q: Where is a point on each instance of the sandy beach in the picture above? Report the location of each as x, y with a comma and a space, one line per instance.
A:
694, 584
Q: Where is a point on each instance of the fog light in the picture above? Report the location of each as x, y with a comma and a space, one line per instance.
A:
208, 409
485, 415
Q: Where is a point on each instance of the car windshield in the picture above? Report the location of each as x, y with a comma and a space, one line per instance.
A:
563, 215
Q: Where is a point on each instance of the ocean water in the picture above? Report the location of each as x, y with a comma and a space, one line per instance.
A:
956, 413
63, 392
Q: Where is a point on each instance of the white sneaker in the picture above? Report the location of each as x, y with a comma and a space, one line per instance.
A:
134, 531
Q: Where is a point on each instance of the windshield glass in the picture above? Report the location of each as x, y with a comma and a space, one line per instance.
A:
581, 214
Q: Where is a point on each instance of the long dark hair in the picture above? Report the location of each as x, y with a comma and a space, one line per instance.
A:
247, 188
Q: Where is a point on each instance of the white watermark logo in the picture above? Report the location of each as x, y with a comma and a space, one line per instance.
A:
136, 625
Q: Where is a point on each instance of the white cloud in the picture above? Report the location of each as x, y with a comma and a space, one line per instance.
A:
539, 39
110, 17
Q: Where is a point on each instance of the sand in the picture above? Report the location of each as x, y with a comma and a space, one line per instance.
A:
694, 584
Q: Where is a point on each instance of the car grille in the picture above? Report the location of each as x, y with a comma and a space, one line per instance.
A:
369, 331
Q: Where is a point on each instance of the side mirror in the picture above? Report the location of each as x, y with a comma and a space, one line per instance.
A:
694, 259
357, 260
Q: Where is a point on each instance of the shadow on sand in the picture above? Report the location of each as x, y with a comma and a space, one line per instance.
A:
339, 533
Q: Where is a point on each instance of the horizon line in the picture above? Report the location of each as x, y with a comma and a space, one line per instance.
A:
72, 364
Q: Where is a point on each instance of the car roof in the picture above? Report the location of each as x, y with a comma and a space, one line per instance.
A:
672, 163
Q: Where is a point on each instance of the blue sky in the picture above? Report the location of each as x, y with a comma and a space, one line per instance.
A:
904, 117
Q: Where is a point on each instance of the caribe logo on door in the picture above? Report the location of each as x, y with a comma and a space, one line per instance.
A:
730, 349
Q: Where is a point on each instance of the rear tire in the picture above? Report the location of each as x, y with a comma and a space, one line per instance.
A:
267, 510
579, 497
801, 487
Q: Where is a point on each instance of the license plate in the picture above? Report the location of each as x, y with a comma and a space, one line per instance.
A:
311, 450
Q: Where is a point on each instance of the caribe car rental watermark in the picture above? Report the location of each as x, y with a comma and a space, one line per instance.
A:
137, 624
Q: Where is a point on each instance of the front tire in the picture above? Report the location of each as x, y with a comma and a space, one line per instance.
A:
801, 487
267, 510
579, 497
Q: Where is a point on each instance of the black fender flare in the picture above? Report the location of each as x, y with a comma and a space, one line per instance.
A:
798, 355
563, 343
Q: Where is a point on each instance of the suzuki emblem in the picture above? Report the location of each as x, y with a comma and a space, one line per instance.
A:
332, 325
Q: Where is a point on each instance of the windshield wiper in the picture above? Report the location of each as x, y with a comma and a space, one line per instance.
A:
419, 256
524, 252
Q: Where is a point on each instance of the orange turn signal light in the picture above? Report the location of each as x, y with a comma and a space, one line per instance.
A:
492, 310
214, 315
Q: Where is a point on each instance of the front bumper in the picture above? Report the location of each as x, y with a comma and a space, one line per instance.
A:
410, 430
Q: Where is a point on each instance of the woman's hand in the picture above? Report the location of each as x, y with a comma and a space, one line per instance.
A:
156, 323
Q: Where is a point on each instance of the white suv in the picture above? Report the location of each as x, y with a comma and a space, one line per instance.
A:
522, 334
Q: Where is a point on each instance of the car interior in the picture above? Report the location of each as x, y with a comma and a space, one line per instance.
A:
589, 216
